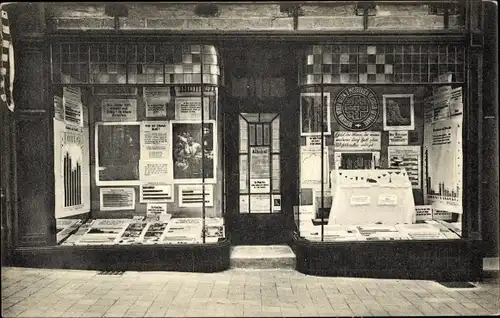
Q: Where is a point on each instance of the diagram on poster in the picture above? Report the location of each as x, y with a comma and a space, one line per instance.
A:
115, 199
156, 192
189, 108
155, 140
71, 169
192, 195
310, 163
119, 110
443, 148
407, 157
117, 153
189, 157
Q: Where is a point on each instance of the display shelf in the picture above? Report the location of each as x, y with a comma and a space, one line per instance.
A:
442, 260
213, 257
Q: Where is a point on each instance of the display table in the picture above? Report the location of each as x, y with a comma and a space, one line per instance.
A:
371, 196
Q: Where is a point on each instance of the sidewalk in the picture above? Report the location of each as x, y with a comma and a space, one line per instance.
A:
233, 293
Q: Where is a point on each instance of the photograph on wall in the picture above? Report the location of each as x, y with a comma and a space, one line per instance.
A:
312, 117
193, 151
117, 153
119, 110
398, 112
189, 108
71, 169
407, 157
116, 199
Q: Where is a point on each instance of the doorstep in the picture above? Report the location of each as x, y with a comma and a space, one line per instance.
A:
262, 257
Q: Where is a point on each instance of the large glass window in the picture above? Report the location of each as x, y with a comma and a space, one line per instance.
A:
380, 142
137, 143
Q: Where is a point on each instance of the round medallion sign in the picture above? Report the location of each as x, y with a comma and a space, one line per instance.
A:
356, 108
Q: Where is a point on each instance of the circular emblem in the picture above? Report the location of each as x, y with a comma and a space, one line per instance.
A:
356, 108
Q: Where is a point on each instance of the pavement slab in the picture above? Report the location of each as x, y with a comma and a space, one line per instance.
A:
238, 292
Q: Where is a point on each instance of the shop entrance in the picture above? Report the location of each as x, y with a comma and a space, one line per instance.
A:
261, 147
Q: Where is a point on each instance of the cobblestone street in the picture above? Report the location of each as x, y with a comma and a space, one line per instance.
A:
30, 292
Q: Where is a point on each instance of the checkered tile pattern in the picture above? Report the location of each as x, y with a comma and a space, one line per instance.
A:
380, 64
112, 63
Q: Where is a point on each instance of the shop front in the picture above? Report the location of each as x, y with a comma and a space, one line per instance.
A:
159, 149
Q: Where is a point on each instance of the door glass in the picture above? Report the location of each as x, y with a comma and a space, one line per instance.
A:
259, 169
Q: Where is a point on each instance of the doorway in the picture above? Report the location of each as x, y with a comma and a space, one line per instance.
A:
261, 142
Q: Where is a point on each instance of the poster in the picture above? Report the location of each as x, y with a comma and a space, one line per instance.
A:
260, 186
456, 102
357, 140
156, 100
243, 135
155, 140
259, 162
398, 138
189, 108
276, 202
104, 231
192, 195
58, 108
116, 199
72, 105
71, 169
243, 173
155, 171
312, 117
315, 141
119, 110
398, 112
156, 192
244, 203
154, 210
310, 167
407, 157
117, 153
443, 148
260, 203
194, 151
154, 232
357, 160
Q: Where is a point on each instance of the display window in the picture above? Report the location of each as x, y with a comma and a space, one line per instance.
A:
137, 144
380, 142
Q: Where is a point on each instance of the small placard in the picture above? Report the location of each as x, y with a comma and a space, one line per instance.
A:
398, 138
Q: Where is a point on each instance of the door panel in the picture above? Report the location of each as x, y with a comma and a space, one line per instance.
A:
260, 217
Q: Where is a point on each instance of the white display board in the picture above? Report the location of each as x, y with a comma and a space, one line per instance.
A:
371, 196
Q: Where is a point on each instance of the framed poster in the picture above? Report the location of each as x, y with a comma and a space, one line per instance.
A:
119, 110
398, 112
311, 116
117, 152
116, 199
190, 158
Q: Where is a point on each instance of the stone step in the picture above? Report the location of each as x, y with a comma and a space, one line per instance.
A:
262, 256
